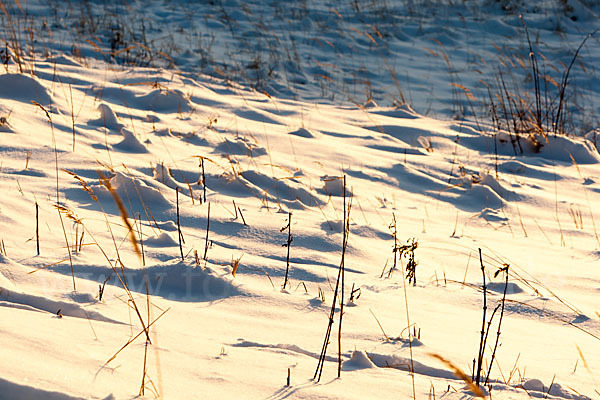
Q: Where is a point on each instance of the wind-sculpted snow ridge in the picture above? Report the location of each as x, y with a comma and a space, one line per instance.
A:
146, 218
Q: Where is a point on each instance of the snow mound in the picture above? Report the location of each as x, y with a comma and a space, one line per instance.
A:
498, 287
491, 182
181, 282
163, 175
537, 389
559, 148
485, 193
173, 280
80, 297
335, 226
167, 226
130, 144
288, 190
402, 111
164, 132
170, 101
414, 342
358, 360
404, 364
161, 240
107, 118
567, 149
334, 186
513, 167
136, 194
23, 88
484, 196
241, 147
229, 185
303, 132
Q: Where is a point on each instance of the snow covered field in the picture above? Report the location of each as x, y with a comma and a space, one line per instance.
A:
147, 185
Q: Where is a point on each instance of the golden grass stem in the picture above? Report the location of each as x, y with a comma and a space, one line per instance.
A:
459, 373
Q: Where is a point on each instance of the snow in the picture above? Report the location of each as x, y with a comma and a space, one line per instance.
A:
358, 360
107, 119
209, 153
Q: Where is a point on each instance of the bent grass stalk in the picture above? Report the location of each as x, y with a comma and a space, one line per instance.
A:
287, 244
459, 373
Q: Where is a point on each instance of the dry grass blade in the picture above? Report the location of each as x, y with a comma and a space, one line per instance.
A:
380, 327
467, 92
68, 213
136, 336
235, 264
35, 103
83, 184
106, 182
585, 364
48, 265
459, 373
145, 371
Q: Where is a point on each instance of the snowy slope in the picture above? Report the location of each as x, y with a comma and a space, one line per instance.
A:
229, 164
416, 51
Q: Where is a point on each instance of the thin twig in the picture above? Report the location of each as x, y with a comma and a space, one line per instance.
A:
505, 269
37, 228
207, 229
179, 234
481, 340
287, 244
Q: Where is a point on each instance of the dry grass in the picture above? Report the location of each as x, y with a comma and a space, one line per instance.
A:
459, 373
235, 264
